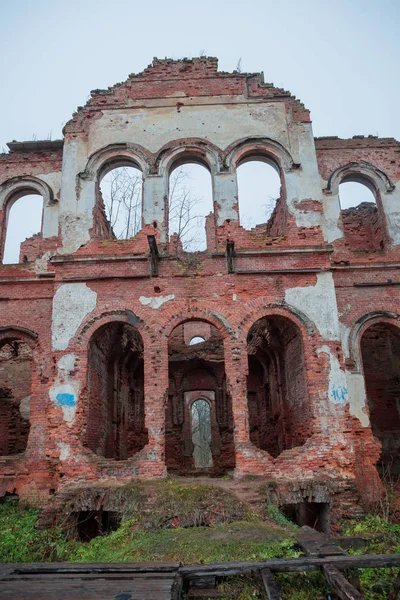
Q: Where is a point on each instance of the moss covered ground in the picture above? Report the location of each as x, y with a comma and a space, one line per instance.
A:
198, 525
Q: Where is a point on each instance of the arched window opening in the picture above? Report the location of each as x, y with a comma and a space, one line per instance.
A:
279, 413
190, 208
15, 394
199, 419
259, 189
24, 224
201, 434
362, 223
380, 350
121, 190
116, 415
197, 339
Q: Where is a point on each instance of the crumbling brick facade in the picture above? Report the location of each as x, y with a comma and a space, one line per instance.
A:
299, 317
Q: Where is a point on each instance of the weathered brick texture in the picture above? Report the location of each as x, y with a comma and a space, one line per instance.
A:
300, 365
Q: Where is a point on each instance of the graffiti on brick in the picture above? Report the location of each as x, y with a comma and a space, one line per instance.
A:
339, 394
119, 472
65, 399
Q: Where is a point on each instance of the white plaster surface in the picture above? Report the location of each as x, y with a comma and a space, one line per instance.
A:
76, 212
67, 362
391, 207
225, 194
72, 302
154, 127
156, 302
65, 450
318, 303
337, 392
330, 221
41, 263
64, 392
357, 396
154, 191
25, 408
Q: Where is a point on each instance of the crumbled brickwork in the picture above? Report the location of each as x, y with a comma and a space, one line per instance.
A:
299, 316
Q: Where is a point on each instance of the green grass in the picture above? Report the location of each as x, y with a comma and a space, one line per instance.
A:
234, 541
247, 538
21, 541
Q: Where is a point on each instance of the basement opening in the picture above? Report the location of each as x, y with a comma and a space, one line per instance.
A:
312, 514
279, 412
85, 525
380, 350
116, 414
199, 419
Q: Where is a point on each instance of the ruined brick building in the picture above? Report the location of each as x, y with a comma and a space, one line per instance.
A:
298, 360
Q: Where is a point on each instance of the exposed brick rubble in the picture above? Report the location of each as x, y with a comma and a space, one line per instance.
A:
299, 317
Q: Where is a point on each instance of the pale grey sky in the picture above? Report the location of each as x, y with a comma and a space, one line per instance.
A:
339, 57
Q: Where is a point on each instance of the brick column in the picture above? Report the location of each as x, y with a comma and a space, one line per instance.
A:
155, 398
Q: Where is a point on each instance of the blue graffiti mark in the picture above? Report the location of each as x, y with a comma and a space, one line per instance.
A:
110, 472
339, 393
66, 399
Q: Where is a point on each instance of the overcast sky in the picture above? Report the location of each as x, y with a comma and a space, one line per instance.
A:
341, 58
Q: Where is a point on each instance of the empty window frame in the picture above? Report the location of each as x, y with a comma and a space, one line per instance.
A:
363, 223
190, 207
259, 188
120, 200
23, 226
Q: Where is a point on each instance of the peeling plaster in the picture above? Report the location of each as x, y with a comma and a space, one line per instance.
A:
40, 265
72, 302
65, 390
346, 388
357, 396
318, 303
25, 408
65, 450
338, 392
156, 302
75, 231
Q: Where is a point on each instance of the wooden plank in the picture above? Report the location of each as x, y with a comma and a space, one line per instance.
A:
395, 591
99, 590
177, 588
151, 567
292, 565
315, 543
49, 577
340, 585
271, 586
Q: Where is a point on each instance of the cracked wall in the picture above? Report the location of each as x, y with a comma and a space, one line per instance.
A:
103, 408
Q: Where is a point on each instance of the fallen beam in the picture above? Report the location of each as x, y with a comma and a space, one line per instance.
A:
271, 586
292, 565
340, 585
395, 591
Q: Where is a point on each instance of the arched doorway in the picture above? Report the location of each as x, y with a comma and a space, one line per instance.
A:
16, 369
279, 411
115, 418
199, 420
380, 351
